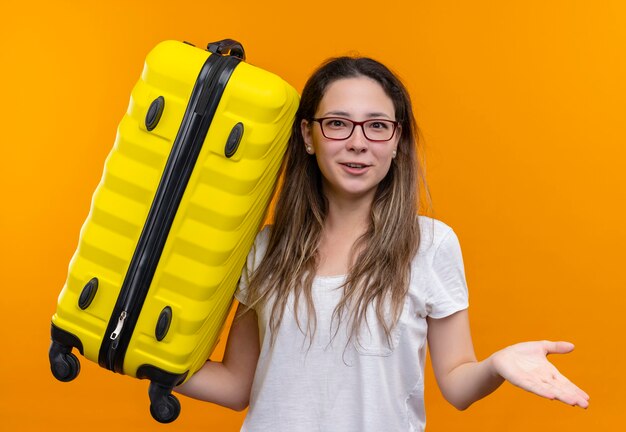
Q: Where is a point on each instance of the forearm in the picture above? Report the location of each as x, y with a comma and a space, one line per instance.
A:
228, 383
463, 380
469, 382
215, 383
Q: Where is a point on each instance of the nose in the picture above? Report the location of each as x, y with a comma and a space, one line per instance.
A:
357, 142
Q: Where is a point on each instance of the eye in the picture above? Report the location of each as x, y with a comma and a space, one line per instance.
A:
335, 123
378, 124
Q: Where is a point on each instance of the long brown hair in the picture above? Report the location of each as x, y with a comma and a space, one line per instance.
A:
379, 275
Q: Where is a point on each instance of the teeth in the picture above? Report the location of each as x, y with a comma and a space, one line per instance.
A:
352, 165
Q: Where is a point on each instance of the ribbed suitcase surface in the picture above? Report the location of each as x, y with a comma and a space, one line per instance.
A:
215, 223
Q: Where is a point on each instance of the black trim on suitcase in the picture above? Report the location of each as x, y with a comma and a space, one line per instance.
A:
65, 338
203, 103
63, 363
155, 374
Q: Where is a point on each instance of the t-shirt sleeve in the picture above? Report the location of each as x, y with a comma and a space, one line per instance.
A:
254, 258
447, 292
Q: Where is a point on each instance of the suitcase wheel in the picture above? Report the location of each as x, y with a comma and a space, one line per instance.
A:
164, 406
64, 365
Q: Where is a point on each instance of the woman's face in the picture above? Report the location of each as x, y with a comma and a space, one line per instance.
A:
352, 168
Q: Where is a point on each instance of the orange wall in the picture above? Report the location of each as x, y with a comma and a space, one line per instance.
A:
521, 105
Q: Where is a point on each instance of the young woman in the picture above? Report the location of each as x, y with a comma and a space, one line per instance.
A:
341, 294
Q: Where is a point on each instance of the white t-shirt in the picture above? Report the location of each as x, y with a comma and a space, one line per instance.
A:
367, 386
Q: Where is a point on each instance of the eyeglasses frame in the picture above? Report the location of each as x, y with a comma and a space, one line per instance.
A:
395, 123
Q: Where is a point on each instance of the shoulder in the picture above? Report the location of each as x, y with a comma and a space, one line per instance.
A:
260, 246
263, 237
433, 233
258, 249
438, 246
255, 256
438, 286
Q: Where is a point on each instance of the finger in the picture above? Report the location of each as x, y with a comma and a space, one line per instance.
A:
560, 347
566, 382
566, 391
583, 402
571, 397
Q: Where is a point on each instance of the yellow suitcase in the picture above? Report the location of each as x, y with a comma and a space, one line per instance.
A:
183, 193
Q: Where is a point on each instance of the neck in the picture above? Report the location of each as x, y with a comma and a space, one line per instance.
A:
346, 221
348, 215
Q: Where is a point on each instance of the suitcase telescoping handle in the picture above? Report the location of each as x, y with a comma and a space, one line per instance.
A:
227, 47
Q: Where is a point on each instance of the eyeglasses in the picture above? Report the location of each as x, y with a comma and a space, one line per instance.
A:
338, 128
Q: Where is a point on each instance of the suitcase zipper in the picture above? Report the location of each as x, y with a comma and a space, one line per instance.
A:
203, 103
116, 333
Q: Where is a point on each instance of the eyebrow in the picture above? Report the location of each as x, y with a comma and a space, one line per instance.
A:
347, 114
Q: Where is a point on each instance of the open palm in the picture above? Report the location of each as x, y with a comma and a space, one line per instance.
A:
526, 366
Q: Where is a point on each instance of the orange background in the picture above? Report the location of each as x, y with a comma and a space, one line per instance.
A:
523, 113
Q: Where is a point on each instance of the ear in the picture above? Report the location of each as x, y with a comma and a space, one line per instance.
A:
397, 139
307, 133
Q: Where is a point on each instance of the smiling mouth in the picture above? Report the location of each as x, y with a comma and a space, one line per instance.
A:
355, 165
